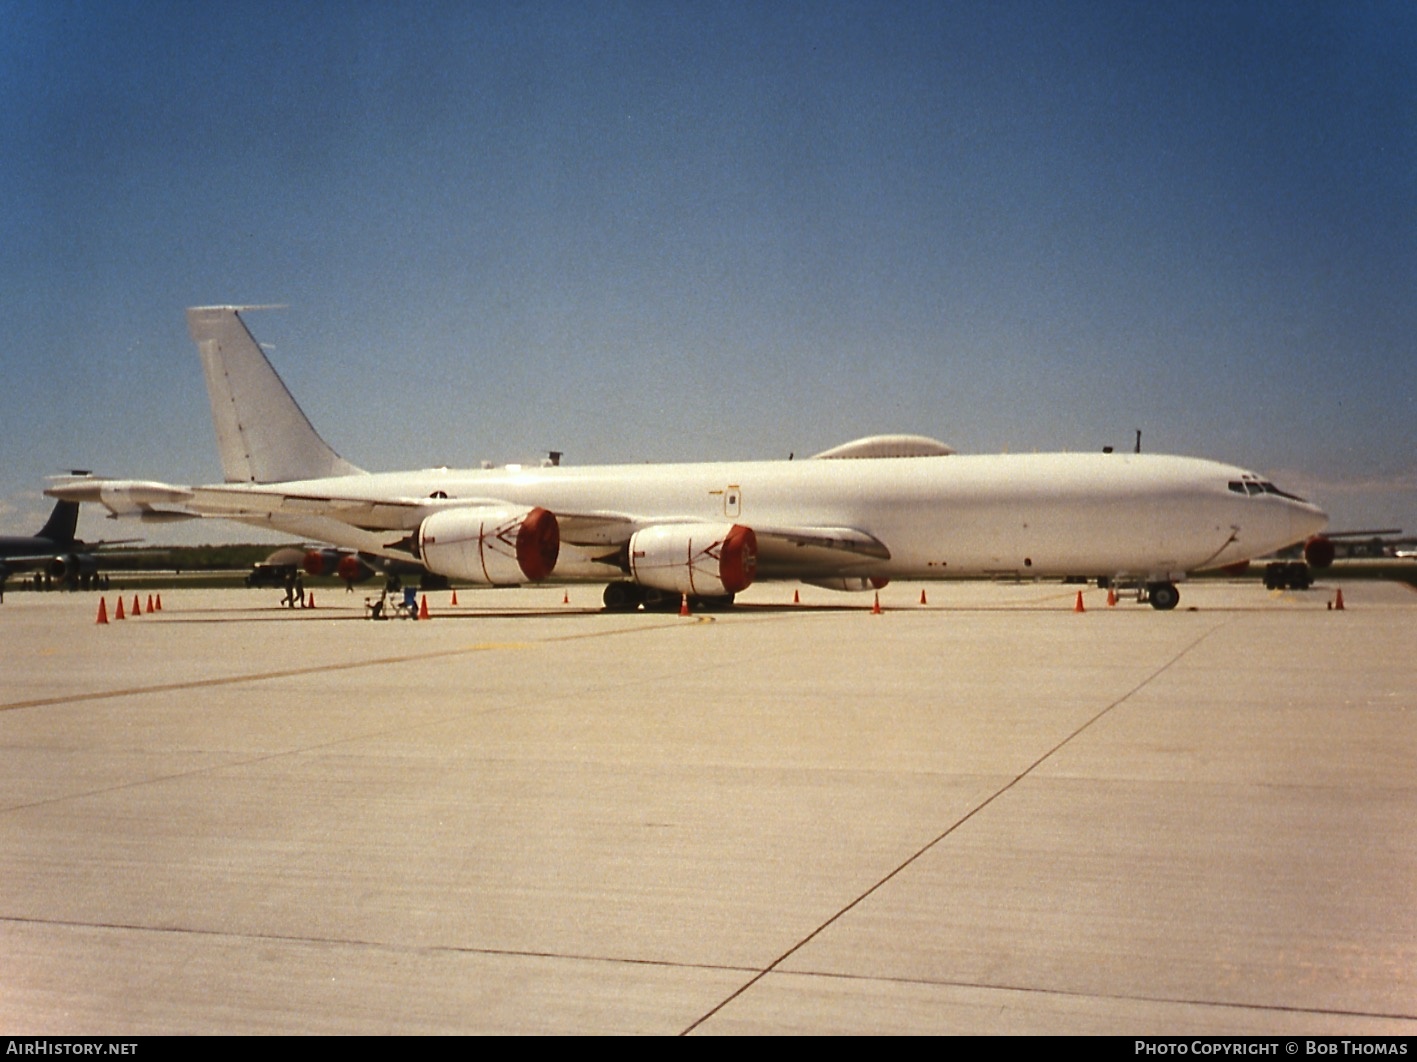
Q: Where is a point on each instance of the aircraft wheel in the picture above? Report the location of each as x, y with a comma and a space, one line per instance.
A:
1164, 596
712, 604
621, 597
661, 601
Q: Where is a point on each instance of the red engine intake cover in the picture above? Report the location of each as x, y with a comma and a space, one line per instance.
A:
1319, 551
538, 544
351, 569
738, 560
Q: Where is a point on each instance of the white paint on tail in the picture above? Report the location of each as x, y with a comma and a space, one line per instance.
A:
262, 435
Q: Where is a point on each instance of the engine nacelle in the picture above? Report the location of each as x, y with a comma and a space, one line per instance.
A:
852, 584
705, 560
347, 566
490, 544
1319, 551
71, 566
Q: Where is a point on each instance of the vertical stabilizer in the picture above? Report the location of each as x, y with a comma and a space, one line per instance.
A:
63, 523
262, 435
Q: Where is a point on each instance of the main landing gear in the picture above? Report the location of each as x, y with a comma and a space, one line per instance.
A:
627, 597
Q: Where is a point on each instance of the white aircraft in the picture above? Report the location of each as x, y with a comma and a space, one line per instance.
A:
853, 517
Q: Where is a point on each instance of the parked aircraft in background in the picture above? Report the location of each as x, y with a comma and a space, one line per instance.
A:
1373, 543
352, 567
53, 551
853, 517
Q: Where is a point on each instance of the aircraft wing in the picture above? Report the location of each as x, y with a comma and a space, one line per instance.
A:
368, 514
594, 528
783, 551
812, 552
31, 561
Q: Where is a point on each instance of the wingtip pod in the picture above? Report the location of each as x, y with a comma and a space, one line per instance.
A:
263, 436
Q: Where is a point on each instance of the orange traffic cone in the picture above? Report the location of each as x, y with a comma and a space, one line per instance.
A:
1338, 601
310, 601
1078, 607
102, 612
159, 602
136, 610
565, 597
423, 608
1111, 597
118, 612
684, 605
922, 598
150, 602
454, 602
876, 608
796, 598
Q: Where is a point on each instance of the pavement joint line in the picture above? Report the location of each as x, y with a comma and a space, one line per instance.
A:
772, 966
348, 942
263, 676
1286, 1008
316, 669
304, 749
667, 964
620, 960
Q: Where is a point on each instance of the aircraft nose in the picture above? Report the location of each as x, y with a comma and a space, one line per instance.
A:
1306, 520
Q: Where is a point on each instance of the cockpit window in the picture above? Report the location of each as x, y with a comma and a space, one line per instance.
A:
1270, 488
1252, 485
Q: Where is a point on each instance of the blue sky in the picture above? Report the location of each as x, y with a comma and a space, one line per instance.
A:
679, 231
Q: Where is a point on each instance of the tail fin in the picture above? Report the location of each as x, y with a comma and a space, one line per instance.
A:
63, 523
263, 436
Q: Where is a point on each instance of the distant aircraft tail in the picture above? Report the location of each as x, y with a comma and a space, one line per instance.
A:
262, 435
63, 523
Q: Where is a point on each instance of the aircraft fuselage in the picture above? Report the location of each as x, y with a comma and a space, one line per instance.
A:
1049, 515
883, 507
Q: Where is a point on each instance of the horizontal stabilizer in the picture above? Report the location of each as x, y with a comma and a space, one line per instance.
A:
126, 497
